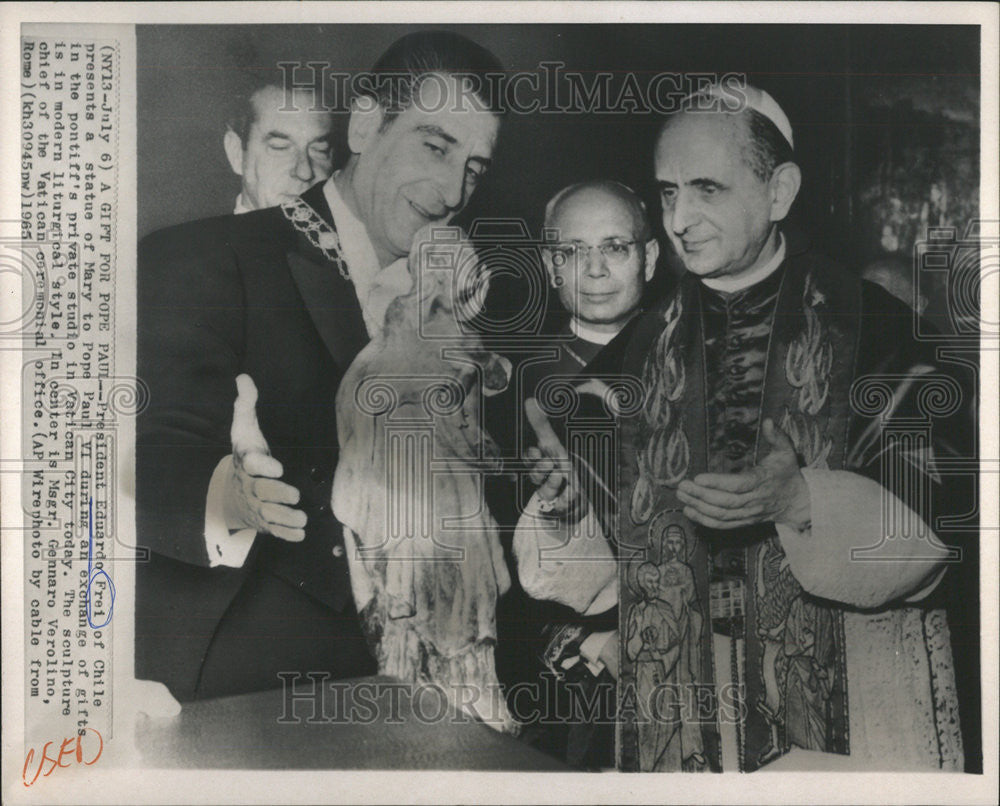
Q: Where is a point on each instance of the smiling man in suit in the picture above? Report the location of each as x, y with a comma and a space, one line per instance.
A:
246, 575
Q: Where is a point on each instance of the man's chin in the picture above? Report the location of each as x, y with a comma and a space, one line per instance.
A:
279, 199
602, 317
403, 245
706, 270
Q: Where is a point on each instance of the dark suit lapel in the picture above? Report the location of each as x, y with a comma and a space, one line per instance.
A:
329, 297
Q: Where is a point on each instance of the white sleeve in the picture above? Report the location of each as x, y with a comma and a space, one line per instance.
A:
569, 564
592, 647
225, 546
835, 558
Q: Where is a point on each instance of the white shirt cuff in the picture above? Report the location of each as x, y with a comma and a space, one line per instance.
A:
606, 599
865, 546
591, 649
567, 563
225, 546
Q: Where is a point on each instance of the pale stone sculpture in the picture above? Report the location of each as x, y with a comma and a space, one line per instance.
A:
426, 563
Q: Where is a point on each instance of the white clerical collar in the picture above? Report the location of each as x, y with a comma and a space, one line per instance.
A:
730, 285
581, 331
241, 206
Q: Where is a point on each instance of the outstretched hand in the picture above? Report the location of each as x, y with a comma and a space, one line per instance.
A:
254, 496
774, 490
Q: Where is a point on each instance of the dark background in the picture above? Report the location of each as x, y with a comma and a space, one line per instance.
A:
886, 122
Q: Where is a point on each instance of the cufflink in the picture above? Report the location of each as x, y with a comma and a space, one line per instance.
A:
338, 551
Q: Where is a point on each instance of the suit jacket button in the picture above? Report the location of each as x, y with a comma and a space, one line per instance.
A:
338, 551
317, 474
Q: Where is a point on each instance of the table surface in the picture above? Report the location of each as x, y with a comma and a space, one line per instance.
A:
370, 723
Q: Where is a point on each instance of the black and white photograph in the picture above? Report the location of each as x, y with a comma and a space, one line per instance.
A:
598, 389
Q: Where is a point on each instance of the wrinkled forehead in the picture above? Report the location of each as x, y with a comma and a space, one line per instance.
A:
702, 139
597, 213
434, 92
448, 101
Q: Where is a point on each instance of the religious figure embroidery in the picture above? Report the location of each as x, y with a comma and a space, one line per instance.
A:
664, 633
798, 663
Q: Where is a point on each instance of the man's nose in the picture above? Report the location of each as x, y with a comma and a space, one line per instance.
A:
304, 168
683, 214
594, 263
453, 188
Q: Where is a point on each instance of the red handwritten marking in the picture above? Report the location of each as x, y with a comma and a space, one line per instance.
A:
69, 747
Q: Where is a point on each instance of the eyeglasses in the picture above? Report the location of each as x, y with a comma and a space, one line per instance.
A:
614, 251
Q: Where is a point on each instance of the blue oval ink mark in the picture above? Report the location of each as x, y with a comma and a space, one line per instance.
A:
92, 575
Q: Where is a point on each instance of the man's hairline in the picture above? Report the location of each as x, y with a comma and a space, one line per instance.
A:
390, 118
389, 115
254, 99
645, 229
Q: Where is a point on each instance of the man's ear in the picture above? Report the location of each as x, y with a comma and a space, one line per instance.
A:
234, 151
784, 186
652, 253
366, 120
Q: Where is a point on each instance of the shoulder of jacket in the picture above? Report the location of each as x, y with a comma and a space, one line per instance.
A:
260, 227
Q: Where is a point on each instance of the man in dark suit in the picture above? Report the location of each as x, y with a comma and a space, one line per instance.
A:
246, 575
